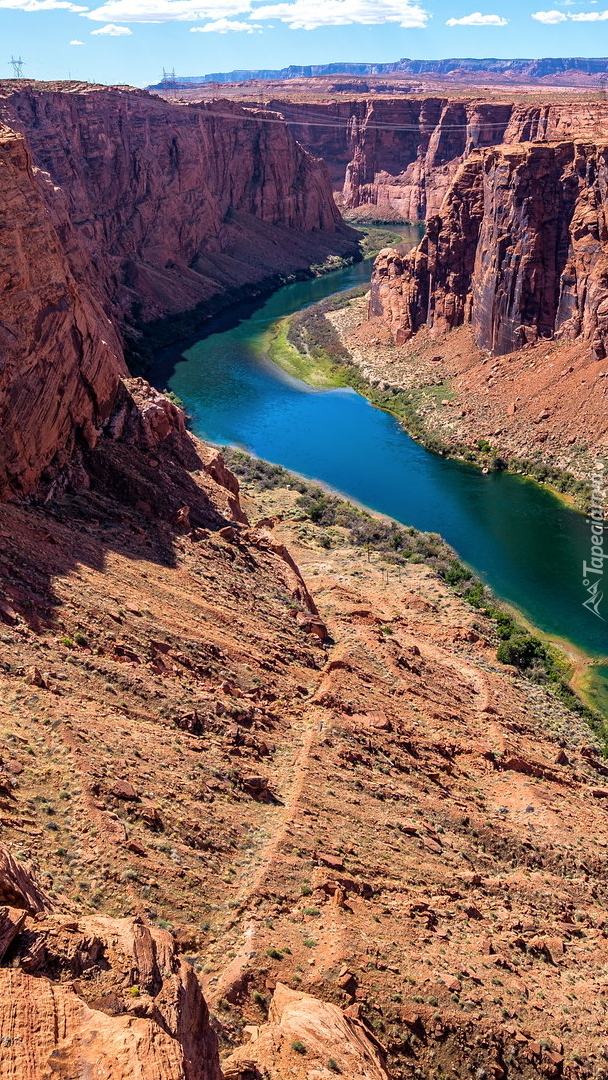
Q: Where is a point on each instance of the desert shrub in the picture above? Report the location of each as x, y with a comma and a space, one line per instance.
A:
520, 650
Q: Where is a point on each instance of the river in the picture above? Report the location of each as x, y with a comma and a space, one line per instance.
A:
518, 537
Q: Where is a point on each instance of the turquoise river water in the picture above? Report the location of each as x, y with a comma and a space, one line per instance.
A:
518, 537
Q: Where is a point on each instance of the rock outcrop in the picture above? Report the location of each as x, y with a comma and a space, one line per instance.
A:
302, 1035
117, 207
61, 359
96, 996
519, 249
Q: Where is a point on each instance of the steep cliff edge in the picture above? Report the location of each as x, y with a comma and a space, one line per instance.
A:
118, 208
166, 205
519, 249
60, 357
395, 157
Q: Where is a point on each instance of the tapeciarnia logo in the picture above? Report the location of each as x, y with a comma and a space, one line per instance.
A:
593, 571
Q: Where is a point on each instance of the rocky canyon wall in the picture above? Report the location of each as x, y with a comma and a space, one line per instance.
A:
117, 207
165, 205
401, 154
519, 249
60, 357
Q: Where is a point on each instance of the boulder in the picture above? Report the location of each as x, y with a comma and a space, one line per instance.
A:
303, 1033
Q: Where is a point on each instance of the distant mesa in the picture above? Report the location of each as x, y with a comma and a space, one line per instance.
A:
530, 69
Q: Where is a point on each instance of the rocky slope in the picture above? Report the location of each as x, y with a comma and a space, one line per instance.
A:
94, 996
328, 787
117, 207
518, 250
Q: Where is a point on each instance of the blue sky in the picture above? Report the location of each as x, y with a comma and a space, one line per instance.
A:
129, 41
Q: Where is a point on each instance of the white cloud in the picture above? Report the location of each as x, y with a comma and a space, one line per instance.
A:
310, 14
590, 16
550, 18
297, 14
161, 11
553, 17
222, 26
40, 5
74, 42
477, 19
112, 31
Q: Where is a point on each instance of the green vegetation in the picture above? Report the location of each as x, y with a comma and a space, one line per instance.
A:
174, 398
398, 545
307, 345
274, 954
298, 1046
378, 236
144, 340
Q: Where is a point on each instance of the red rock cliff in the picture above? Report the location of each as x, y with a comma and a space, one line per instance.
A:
519, 248
170, 204
115, 205
401, 154
60, 358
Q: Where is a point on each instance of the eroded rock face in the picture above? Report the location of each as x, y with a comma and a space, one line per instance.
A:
400, 155
303, 1033
117, 207
61, 359
97, 996
162, 201
519, 249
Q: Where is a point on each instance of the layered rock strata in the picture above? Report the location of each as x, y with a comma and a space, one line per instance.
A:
117, 207
400, 154
60, 357
519, 249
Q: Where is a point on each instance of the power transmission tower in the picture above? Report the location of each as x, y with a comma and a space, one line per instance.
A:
17, 66
168, 81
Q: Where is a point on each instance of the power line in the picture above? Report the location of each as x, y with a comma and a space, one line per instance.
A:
423, 127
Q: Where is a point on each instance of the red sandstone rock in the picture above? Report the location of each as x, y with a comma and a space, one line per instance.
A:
115, 204
519, 248
54, 1023
61, 357
321, 1029
401, 154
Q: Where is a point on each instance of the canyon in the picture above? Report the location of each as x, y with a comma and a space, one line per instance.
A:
518, 250
118, 209
269, 804
393, 157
